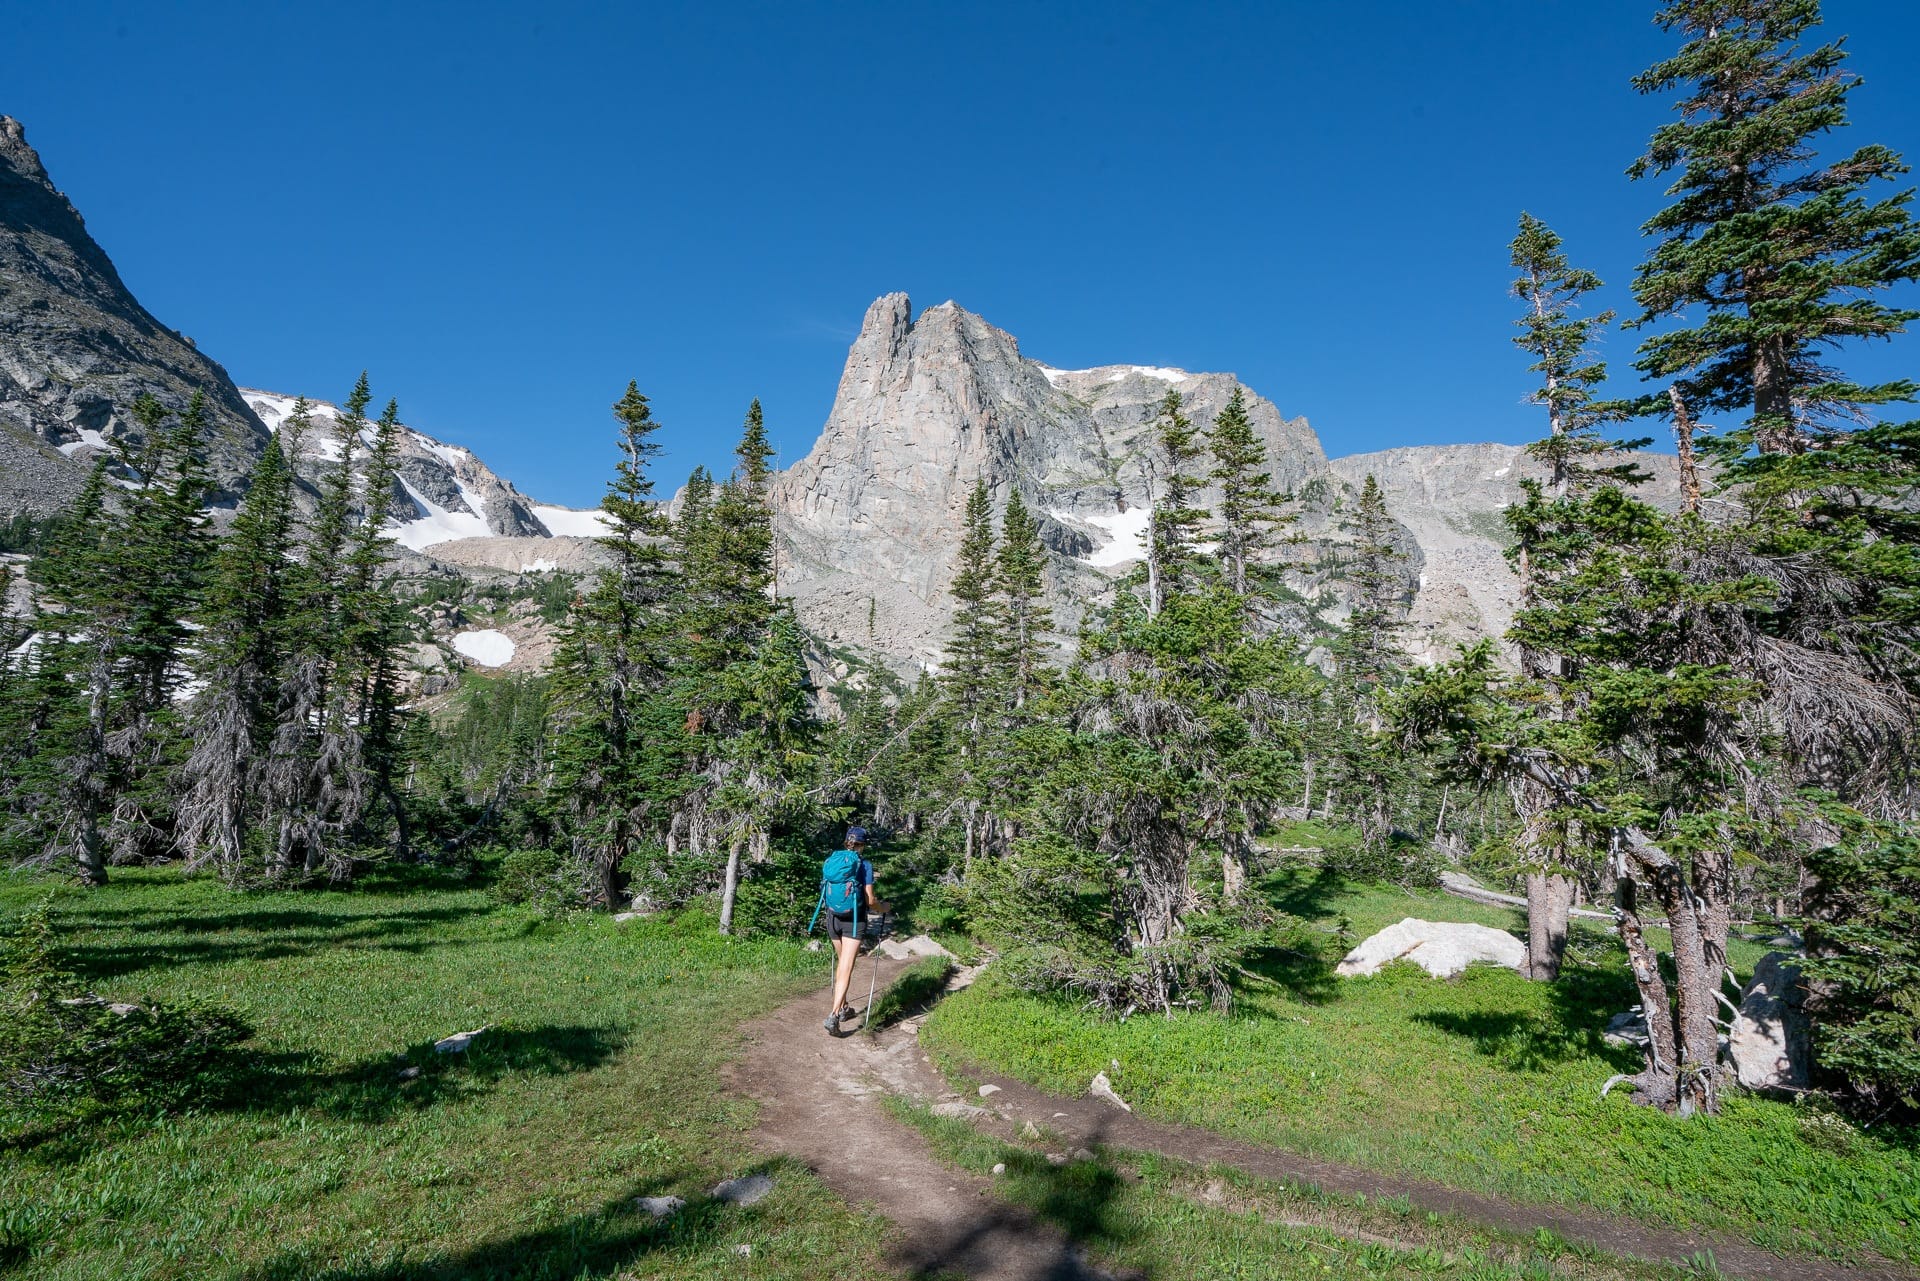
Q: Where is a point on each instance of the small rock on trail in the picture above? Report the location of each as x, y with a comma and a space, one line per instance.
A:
1102, 1089
660, 1207
742, 1191
458, 1042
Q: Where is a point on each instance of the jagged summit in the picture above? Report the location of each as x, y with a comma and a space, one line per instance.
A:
929, 405
79, 348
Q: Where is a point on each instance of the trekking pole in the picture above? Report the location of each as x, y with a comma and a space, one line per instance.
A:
881, 925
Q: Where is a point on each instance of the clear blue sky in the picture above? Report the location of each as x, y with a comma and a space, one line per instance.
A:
505, 211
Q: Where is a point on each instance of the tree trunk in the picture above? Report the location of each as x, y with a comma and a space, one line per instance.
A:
1549, 905
1233, 867
1697, 986
732, 885
1683, 429
1656, 1082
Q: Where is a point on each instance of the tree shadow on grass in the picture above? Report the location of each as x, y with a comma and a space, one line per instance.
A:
383, 1086
1581, 1001
372, 1090
1075, 1200
600, 1243
215, 938
1305, 974
1308, 893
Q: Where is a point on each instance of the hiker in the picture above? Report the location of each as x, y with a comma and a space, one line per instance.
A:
846, 899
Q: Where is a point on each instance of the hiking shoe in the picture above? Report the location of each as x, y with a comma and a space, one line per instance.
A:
832, 1024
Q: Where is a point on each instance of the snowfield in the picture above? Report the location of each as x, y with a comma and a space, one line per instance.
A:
1126, 535
1116, 372
569, 522
487, 648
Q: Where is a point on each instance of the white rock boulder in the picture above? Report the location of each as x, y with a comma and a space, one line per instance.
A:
1441, 948
1768, 1044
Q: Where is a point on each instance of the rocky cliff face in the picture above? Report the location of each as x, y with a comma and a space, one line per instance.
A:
927, 406
870, 519
78, 350
1450, 499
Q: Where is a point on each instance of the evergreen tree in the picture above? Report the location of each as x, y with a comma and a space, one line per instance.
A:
372, 627
1368, 769
970, 670
117, 585
304, 771
1250, 508
1019, 586
241, 655
1172, 488
613, 657
1780, 255
1560, 341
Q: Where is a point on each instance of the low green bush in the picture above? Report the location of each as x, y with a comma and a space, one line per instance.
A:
1863, 958
543, 879
66, 1053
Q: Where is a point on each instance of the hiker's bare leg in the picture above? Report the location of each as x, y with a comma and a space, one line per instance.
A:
843, 972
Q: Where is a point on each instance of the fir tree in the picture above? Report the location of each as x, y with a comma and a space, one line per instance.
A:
372, 627
1019, 586
613, 656
241, 654
118, 583
968, 668
303, 771
1173, 487
1250, 508
1781, 255
1368, 660
1561, 343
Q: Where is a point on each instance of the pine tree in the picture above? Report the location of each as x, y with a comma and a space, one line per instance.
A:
1780, 255
303, 771
968, 668
1173, 487
119, 582
1250, 508
1561, 343
1368, 660
1019, 586
241, 656
613, 657
372, 627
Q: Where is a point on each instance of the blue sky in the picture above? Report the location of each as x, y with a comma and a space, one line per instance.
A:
505, 211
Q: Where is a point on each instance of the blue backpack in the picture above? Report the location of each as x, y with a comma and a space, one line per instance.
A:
840, 883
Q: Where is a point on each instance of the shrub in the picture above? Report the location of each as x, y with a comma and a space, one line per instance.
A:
65, 1052
778, 896
536, 877
1863, 964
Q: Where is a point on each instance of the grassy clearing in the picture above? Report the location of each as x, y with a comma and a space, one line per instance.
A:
1487, 1082
596, 1083
1171, 1219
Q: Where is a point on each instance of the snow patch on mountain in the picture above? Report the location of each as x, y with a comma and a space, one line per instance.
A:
1126, 533
486, 647
569, 522
1114, 373
438, 525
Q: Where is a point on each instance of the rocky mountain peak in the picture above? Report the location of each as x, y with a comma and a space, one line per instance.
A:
17, 155
79, 350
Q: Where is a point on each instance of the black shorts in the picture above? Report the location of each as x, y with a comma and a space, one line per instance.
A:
840, 927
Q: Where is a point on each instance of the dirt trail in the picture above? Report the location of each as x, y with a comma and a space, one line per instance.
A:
821, 1103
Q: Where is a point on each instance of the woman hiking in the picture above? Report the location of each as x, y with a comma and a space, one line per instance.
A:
846, 896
